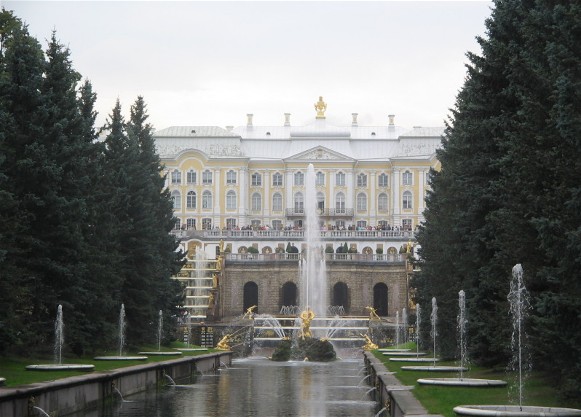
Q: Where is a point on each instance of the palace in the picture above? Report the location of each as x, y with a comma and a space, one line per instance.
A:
246, 186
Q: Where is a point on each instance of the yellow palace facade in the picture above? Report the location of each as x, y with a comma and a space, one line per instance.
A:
253, 177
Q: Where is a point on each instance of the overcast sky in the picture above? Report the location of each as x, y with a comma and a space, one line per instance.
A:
211, 63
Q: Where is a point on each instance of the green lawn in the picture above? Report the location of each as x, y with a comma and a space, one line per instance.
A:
15, 372
442, 399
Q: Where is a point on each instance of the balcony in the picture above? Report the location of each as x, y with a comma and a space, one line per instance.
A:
329, 257
325, 212
296, 234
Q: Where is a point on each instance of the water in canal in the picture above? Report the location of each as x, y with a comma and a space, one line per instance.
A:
259, 387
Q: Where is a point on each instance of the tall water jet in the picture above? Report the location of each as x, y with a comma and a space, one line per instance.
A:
404, 320
461, 319
59, 336
159, 330
434, 321
121, 329
418, 323
397, 328
313, 272
518, 298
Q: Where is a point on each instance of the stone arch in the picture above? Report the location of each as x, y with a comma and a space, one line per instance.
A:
392, 250
380, 299
288, 294
250, 297
367, 251
242, 249
267, 250
340, 296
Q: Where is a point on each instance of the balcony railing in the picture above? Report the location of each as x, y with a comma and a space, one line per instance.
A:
329, 257
295, 234
325, 212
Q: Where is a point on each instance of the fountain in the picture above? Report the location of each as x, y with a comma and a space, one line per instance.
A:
58, 349
160, 352
462, 345
519, 304
404, 321
122, 328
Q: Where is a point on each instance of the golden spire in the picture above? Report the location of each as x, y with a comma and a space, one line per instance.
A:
320, 106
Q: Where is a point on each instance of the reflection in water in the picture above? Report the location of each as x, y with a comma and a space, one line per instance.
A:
258, 387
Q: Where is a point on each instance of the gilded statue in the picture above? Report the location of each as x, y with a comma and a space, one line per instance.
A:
320, 107
249, 313
369, 345
306, 316
372, 313
221, 246
215, 280
219, 263
223, 343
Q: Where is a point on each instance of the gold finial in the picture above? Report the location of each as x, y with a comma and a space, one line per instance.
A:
320, 106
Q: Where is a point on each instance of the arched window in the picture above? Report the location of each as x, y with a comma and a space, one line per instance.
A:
256, 180
191, 200
382, 180
407, 178
382, 201
340, 203
207, 177
178, 224
277, 180
176, 177
361, 202
277, 202
362, 180
289, 295
320, 179
407, 200
256, 202
231, 200
191, 224
206, 200
177, 199
191, 176
250, 297
341, 296
299, 178
299, 203
340, 178
380, 299
320, 201
231, 177
206, 223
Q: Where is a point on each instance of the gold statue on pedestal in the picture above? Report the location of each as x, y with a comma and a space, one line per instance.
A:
372, 313
369, 345
320, 106
223, 343
249, 313
221, 246
306, 316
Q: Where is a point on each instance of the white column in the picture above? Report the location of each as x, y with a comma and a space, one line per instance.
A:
288, 185
372, 199
349, 195
421, 188
396, 197
266, 186
217, 195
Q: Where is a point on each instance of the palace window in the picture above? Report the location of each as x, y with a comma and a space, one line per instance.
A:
177, 225
406, 224
299, 178
277, 202
382, 201
277, 224
207, 177
230, 200
407, 200
206, 200
191, 224
206, 223
256, 180
340, 203
256, 202
191, 177
382, 180
320, 179
231, 177
299, 203
191, 200
277, 180
407, 178
340, 178
176, 177
177, 199
361, 224
230, 224
362, 180
361, 202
